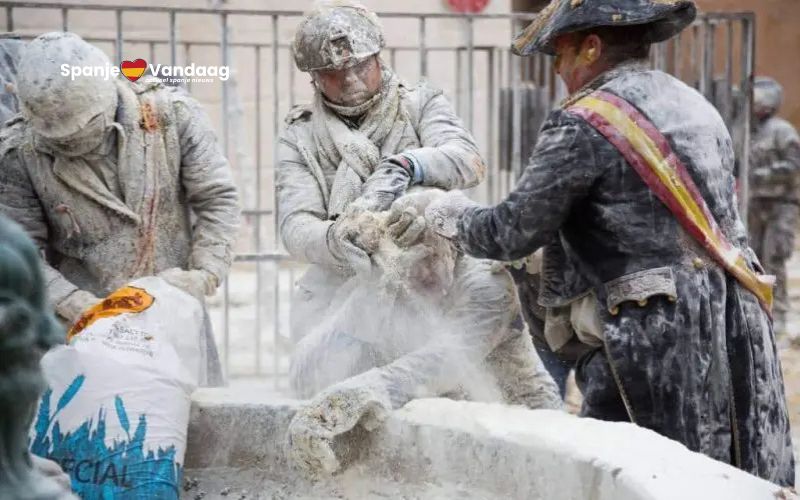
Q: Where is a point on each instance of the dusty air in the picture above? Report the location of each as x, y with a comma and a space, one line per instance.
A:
468, 249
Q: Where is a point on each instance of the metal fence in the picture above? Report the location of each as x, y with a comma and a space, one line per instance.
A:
501, 98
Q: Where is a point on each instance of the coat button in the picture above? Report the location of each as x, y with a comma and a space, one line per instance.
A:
698, 263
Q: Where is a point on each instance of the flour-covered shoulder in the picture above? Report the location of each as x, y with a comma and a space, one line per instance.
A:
417, 97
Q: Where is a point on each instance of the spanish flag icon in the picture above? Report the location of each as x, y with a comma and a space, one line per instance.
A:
133, 70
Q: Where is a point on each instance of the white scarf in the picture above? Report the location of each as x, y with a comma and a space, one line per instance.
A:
354, 153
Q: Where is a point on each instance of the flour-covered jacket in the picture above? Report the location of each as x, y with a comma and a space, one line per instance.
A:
687, 351
438, 142
99, 233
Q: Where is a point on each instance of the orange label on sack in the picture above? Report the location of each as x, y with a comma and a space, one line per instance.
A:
127, 299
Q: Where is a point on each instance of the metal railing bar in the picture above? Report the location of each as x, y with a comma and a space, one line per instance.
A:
298, 13
264, 257
250, 12
258, 211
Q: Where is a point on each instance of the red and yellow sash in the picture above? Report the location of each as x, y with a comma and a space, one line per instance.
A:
649, 153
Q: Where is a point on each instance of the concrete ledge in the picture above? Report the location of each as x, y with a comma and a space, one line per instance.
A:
518, 453
505, 452
229, 428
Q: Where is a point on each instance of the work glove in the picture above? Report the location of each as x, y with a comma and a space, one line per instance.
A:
75, 304
317, 440
196, 282
389, 181
405, 219
343, 242
443, 214
53, 471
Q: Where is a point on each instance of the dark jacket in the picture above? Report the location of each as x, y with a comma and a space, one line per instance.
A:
688, 352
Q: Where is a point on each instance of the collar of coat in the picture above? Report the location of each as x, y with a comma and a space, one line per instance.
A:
603, 78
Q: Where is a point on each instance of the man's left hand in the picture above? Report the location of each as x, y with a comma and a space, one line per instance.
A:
406, 226
195, 282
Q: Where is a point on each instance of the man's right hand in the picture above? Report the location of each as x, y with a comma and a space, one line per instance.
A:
406, 226
320, 428
72, 308
443, 214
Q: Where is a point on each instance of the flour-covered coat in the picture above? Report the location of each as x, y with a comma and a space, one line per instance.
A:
91, 236
443, 147
688, 352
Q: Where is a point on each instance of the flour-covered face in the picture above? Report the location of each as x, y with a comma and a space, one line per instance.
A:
350, 86
86, 140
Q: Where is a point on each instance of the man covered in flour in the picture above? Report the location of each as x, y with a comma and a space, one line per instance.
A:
424, 321
106, 174
630, 191
366, 132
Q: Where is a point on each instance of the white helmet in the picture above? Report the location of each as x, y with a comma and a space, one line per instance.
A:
57, 106
336, 35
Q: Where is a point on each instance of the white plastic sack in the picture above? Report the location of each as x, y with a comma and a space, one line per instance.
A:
117, 409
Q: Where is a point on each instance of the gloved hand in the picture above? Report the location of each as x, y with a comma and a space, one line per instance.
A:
405, 225
75, 304
53, 471
389, 181
195, 282
318, 428
343, 237
442, 215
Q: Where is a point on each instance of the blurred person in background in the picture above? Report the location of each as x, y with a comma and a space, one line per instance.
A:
774, 208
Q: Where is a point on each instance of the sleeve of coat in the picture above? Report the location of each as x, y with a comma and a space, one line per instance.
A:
210, 190
449, 157
561, 171
302, 217
19, 202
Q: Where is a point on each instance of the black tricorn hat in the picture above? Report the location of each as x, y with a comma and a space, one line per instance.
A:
664, 18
